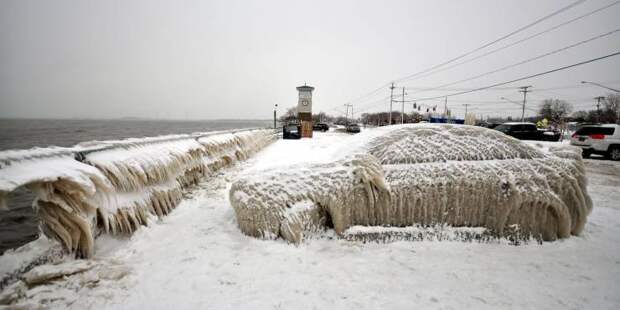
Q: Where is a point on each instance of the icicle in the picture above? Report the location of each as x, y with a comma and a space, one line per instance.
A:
114, 188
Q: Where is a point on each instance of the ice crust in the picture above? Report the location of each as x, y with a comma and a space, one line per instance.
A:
114, 187
412, 175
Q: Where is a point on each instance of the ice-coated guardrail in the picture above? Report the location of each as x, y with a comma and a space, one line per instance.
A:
115, 186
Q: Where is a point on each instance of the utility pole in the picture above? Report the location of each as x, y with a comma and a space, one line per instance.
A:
391, 100
598, 108
402, 113
445, 108
466, 105
346, 114
524, 91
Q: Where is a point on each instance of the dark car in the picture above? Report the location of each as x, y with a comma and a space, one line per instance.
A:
291, 131
491, 125
528, 131
353, 128
320, 127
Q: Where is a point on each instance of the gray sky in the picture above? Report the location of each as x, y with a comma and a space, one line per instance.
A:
235, 59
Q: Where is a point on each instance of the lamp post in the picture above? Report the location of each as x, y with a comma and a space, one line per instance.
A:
599, 85
275, 107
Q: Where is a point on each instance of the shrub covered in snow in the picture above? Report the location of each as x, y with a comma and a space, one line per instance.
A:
425, 175
115, 187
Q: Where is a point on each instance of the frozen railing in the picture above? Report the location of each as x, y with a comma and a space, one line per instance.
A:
115, 186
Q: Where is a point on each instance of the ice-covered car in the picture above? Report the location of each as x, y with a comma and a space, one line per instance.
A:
598, 139
420, 175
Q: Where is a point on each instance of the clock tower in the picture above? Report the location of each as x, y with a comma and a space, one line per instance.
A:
304, 110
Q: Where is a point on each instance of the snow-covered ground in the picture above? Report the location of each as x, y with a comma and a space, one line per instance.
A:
197, 258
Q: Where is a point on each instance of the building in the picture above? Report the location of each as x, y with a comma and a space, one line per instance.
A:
304, 110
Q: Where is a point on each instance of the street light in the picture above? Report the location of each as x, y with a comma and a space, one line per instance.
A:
599, 85
275, 107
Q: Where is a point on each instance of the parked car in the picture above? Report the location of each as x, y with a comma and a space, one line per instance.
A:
528, 131
320, 127
598, 139
353, 128
291, 131
491, 125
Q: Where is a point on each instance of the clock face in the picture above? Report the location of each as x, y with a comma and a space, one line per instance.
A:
304, 102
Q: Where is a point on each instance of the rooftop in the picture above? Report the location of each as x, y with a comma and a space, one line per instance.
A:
305, 87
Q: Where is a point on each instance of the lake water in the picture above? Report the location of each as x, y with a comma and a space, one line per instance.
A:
19, 224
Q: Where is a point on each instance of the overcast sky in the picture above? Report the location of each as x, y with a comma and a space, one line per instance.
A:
236, 59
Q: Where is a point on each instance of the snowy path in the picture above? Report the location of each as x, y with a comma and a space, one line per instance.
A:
197, 258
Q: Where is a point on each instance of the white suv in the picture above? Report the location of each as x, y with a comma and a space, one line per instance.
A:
598, 139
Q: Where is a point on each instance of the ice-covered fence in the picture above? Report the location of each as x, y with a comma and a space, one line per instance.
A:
421, 175
114, 187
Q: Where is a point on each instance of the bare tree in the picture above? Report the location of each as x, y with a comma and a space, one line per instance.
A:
611, 109
289, 116
555, 110
580, 116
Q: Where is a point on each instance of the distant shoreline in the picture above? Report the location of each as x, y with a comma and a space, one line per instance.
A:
140, 119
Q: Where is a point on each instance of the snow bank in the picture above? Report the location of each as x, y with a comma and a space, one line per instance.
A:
426, 175
114, 187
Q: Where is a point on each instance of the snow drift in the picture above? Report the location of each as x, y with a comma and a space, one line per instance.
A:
421, 175
113, 187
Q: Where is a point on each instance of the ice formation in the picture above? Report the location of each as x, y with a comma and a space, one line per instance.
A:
421, 175
113, 187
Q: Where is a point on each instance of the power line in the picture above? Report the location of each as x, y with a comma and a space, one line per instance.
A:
478, 48
527, 60
511, 81
495, 41
517, 42
571, 86
373, 104
523, 78
421, 89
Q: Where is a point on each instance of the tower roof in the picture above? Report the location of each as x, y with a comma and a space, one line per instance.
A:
305, 87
